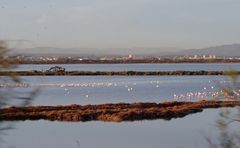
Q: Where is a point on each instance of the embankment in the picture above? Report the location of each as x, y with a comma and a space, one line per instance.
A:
114, 73
111, 112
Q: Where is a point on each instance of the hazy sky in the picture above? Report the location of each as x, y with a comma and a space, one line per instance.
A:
121, 23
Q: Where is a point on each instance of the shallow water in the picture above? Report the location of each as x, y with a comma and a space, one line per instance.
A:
187, 132
134, 67
63, 90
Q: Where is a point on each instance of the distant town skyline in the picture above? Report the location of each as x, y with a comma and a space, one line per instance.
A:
174, 24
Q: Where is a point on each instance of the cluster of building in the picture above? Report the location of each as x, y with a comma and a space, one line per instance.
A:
206, 57
203, 57
28, 59
128, 58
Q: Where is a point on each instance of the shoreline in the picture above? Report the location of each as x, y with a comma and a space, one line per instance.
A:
106, 63
115, 73
111, 112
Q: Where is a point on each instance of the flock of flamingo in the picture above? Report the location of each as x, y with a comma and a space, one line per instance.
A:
206, 92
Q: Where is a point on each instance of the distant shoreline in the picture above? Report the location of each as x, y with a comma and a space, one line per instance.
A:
170, 61
132, 63
114, 73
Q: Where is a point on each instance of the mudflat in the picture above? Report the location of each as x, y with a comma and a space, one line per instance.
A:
111, 112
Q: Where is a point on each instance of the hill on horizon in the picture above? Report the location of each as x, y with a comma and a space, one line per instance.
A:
223, 50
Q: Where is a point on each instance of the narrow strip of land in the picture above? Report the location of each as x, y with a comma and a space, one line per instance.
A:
113, 73
111, 112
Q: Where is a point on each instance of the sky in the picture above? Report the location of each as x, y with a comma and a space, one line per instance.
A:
181, 24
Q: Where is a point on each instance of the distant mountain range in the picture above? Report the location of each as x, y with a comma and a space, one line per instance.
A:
223, 50
43, 51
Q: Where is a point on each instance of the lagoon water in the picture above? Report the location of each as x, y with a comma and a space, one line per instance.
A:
135, 67
65, 90
187, 132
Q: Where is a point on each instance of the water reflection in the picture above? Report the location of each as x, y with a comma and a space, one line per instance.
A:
186, 132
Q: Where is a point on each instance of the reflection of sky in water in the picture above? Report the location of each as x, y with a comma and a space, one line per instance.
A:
135, 67
56, 90
187, 132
